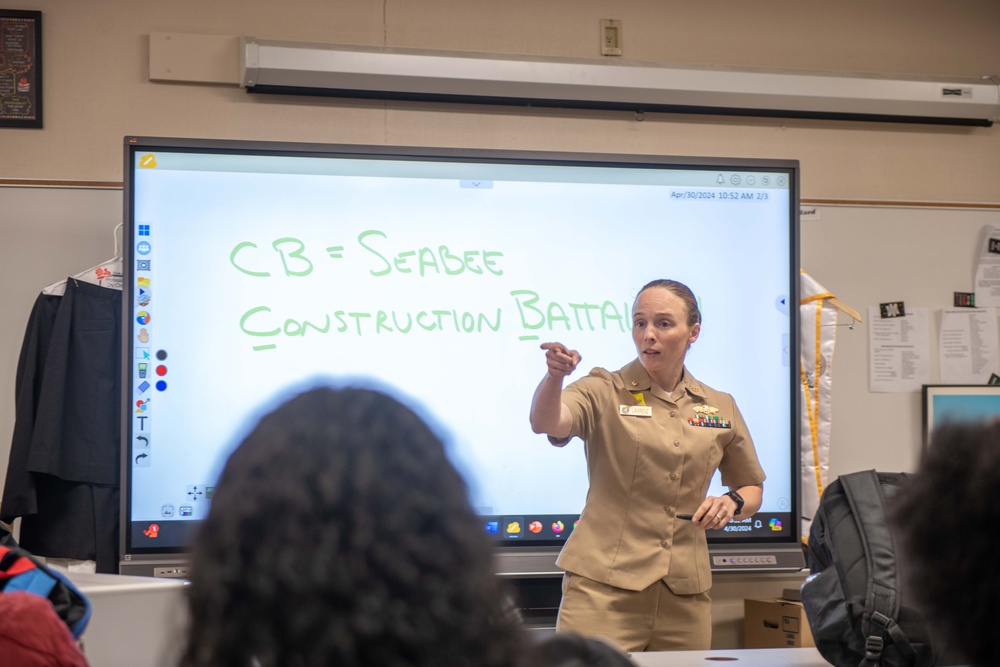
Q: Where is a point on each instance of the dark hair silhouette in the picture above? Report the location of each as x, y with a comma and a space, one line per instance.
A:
569, 649
340, 534
944, 517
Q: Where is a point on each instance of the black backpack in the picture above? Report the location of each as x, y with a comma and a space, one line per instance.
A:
855, 601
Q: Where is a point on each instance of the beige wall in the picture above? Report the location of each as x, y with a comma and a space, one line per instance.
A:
97, 90
97, 87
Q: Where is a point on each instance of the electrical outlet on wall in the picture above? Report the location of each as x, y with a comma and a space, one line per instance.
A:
611, 37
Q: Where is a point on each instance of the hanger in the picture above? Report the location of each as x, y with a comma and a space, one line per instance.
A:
839, 305
843, 307
106, 274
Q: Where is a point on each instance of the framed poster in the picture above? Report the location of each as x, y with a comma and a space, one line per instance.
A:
951, 403
20, 68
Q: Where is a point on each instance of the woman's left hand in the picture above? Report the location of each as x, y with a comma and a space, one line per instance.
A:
714, 512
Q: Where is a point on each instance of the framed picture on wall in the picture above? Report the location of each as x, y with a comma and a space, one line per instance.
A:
961, 403
20, 68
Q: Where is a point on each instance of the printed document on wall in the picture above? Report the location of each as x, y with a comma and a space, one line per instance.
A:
899, 351
988, 268
968, 347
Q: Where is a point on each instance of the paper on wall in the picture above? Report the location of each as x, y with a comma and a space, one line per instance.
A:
899, 351
988, 268
968, 347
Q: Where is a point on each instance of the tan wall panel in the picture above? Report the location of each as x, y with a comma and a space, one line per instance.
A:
97, 86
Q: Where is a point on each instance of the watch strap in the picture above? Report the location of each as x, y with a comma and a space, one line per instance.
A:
738, 499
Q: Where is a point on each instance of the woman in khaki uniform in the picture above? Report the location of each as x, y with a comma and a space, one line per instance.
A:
654, 436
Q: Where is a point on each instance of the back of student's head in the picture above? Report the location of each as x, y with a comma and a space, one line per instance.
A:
340, 534
945, 517
569, 649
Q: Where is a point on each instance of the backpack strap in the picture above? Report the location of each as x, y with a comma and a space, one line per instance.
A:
864, 494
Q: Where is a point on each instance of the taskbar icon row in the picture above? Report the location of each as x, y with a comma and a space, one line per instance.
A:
560, 526
533, 527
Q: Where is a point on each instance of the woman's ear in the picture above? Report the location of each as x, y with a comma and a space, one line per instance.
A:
695, 330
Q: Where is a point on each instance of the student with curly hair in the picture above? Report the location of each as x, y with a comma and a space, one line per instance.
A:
340, 534
943, 516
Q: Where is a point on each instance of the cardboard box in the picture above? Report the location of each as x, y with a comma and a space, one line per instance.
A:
775, 623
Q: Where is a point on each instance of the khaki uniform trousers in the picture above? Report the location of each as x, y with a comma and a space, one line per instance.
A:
654, 619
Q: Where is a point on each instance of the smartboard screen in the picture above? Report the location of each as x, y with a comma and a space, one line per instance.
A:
255, 270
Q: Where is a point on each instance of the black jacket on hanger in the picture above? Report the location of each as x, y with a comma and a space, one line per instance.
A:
63, 474
19, 489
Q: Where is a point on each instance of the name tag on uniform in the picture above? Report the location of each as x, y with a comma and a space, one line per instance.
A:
635, 410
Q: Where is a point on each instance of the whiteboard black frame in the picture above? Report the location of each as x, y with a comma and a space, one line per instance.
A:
762, 554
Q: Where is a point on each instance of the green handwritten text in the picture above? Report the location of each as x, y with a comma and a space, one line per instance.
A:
260, 321
290, 250
426, 260
586, 316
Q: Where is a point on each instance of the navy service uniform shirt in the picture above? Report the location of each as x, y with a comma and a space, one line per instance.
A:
650, 456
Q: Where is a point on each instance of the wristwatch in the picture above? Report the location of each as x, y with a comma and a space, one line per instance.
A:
738, 499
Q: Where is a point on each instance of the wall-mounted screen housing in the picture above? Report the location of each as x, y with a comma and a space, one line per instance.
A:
254, 270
